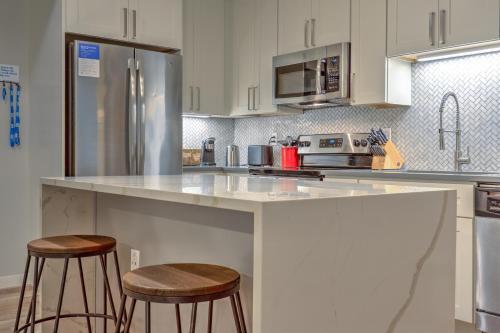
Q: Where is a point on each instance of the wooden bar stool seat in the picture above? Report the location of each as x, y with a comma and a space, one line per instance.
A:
73, 246
180, 284
66, 248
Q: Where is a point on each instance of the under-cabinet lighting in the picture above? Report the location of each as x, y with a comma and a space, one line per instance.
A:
195, 116
459, 53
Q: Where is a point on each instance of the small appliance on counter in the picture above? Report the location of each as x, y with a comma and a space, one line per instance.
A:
208, 152
232, 156
260, 155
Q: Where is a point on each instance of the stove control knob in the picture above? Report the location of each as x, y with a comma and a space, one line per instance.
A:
356, 143
364, 143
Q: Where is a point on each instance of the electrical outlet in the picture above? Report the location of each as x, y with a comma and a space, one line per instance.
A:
135, 257
274, 139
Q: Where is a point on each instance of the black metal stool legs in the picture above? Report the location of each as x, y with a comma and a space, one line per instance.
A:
61, 296
240, 313
235, 314
236, 306
84, 292
178, 318
38, 266
210, 315
23, 289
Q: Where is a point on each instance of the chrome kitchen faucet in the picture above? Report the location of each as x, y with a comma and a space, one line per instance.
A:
459, 159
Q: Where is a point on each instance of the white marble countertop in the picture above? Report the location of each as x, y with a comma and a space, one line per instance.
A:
228, 191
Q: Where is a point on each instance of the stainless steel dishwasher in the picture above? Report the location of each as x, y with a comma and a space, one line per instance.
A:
487, 257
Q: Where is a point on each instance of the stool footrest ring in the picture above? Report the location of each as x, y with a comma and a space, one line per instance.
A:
68, 315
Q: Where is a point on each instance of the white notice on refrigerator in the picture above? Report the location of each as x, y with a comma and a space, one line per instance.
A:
89, 60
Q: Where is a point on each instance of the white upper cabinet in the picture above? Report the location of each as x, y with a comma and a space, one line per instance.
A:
412, 26
426, 25
153, 22
304, 24
157, 22
375, 80
91, 17
466, 22
254, 44
266, 33
330, 22
203, 57
294, 26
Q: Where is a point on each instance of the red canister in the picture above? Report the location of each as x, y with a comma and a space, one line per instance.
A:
289, 157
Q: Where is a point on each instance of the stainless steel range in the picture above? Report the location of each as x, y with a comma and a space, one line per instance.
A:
335, 151
321, 152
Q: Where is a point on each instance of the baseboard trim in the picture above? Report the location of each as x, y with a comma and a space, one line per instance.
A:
11, 281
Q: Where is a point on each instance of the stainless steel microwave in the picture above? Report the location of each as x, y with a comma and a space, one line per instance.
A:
312, 79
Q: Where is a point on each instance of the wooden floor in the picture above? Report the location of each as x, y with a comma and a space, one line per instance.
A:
10, 297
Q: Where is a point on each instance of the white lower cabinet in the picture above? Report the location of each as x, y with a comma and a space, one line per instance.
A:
464, 283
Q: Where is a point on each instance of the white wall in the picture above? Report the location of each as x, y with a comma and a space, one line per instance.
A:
31, 37
47, 97
15, 196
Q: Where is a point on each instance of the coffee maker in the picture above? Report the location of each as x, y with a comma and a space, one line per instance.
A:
208, 152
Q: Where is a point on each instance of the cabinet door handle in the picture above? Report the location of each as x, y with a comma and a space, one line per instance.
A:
248, 102
198, 108
125, 22
442, 28
191, 98
313, 32
134, 23
306, 34
432, 19
255, 108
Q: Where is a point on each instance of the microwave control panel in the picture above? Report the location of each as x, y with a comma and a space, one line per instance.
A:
333, 74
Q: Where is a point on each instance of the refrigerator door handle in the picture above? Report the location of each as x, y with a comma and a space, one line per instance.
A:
132, 117
141, 115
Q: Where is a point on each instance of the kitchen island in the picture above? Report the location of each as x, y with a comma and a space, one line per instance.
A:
314, 256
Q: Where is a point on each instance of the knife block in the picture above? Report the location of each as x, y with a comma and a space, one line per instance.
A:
392, 159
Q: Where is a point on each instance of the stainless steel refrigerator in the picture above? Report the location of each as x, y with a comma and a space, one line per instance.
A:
124, 111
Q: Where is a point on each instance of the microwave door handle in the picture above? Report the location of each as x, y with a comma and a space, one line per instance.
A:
319, 87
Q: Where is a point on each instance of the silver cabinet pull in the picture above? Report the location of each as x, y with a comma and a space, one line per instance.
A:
134, 23
198, 108
125, 22
191, 98
249, 90
313, 32
255, 108
442, 28
306, 34
432, 19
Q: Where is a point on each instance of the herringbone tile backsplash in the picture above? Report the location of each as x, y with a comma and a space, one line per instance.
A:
475, 80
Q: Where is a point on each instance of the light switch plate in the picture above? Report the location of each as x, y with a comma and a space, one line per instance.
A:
135, 257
